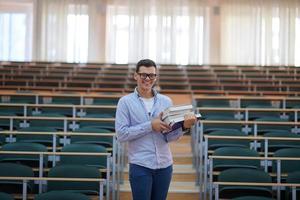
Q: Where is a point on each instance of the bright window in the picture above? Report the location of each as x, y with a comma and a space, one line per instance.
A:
15, 31
297, 42
275, 39
182, 39
77, 40
122, 36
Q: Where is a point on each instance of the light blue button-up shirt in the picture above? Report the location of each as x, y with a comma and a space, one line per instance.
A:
133, 125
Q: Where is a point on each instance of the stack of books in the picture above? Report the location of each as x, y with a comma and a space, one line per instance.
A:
174, 115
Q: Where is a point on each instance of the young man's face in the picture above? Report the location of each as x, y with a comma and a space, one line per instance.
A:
145, 77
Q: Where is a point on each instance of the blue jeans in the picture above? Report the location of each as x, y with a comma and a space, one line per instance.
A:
149, 184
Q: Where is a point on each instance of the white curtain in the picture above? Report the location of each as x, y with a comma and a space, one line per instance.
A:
235, 32
16, 30
68, 30
167, 31
260, 32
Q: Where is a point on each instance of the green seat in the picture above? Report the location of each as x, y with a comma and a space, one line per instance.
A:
15, 170
287, 166
256, 103
274, 145
2, 138
99, 115
57, 124
99, 125
222, 127
11, 111
5, 196
42, 139
213, 103
96, 161
29, 160
217, 143
293, 177
106, 141
244, 175
252, 198
59, 111
218, 115
292, 103
61, 195
265, 116
22, 99
222, 164
5, 123
74, 171
261, 129
66, 100
105, 101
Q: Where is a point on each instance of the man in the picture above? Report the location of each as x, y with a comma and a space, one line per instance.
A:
138, 122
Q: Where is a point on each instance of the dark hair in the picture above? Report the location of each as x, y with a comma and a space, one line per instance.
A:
145, 63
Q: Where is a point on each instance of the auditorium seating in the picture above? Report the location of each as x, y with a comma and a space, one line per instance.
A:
63, 105
210, 79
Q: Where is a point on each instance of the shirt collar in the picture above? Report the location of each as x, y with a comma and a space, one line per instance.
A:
154, 92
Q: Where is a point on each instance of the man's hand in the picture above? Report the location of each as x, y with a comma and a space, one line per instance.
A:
159, 126
189, 121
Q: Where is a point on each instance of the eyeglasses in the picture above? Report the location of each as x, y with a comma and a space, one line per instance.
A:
145, 75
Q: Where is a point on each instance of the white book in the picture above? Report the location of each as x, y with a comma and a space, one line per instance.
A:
172, 120
174, 115
177, 110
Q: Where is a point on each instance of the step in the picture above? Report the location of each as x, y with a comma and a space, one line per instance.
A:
183, 158
177, 191
180, 148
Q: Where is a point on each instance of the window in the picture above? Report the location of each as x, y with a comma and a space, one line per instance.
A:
168, 37
297, 41
121, 22
182, 39
77, 34
15, 31
77, 40
275, 39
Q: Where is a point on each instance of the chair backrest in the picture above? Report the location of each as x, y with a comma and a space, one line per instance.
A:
15, 170
213, 103
217, 143
74, 171
221, 164
97, 161
53, 111
61, 195
30, 160
2, 138
218, 115
274, 145
265, 128
293, 177
252, 198
57, 124
208, 128
244, 175
256, 103
42, 139
102, 140
287, 166
98, 124
5, 196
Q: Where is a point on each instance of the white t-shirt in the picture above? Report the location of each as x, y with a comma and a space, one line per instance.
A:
149, 102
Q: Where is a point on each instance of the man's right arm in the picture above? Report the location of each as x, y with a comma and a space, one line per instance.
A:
124, 129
